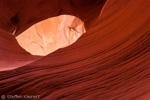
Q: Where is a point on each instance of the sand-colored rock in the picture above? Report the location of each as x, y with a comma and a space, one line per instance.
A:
111, 61
51, 34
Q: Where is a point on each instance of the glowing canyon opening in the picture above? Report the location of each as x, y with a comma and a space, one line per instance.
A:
39, 56
51, 34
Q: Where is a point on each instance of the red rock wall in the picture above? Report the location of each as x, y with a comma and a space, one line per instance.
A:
109, 62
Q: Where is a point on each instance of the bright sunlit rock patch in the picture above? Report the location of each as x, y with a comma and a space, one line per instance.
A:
51, 34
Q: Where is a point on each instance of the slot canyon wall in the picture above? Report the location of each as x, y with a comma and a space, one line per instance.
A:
111, 61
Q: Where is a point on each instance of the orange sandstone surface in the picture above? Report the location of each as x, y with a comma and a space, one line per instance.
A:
51, 34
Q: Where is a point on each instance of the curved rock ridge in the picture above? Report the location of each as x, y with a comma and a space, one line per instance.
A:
51, 34
111, 61
17, 16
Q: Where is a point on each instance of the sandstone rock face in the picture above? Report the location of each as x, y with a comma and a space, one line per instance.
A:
111, 61
51, 34
17, 16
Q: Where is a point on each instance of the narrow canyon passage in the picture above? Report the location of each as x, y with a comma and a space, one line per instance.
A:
110, 61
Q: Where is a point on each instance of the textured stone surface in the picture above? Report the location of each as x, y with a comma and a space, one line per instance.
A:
51, 34
109, 62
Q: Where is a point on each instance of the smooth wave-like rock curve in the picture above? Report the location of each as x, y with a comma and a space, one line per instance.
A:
17, 16
110, 62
